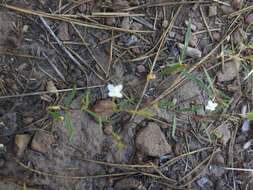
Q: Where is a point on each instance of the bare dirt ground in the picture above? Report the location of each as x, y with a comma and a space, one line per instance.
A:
184, 118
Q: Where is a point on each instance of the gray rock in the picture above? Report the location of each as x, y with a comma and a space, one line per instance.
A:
151, 141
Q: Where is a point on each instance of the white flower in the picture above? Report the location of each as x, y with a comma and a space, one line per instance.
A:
115, 91
211, 105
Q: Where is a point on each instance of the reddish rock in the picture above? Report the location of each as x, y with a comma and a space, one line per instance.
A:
104, 108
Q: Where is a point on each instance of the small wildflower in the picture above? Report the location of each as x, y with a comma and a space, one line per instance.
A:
115, 91
211, 105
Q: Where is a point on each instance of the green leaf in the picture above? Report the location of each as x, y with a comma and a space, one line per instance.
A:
170, 104
174, 125
70, 97
223, 95
100, 125
97, 116
199, 82
248, 57
209, 79
124, 102
187, 39
87, 100
217, 135
56, 115
145, 113
207, 133
116, 135
192, 109
68, 122
248, 115
173, 68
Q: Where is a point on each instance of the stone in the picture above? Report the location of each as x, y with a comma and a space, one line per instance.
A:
237, 35
42, 142
193, 40
165, 23
249, 19
63, 33
28, 120
219, 159
110, 21
127, 183
216, 36
230, 71
20, 144
172, 34
104, 108
151, 141
225, 133
227, 10
136, 26
212, 10
237, 4
2, 161
141, 68
125, 24
193, 26
191, 52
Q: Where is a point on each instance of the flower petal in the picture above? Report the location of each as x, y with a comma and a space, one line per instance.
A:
111, 94
118, 95
110, 87
119, 87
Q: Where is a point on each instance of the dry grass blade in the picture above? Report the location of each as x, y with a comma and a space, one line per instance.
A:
162, 42
69, 20
47, 92
72, 177
183, 155
246, 9
209, 159
111, 14
181, 78
89, 50
164, 4
204, 19
22, 55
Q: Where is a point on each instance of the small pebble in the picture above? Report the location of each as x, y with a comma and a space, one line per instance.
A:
165, 23
249, 19
172, 34
220, 159
216, 36
141, 69
212, 10
110, 21
193, 40
237, 35
202, 181
193, 27
237, 4
227, 10
1, 162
